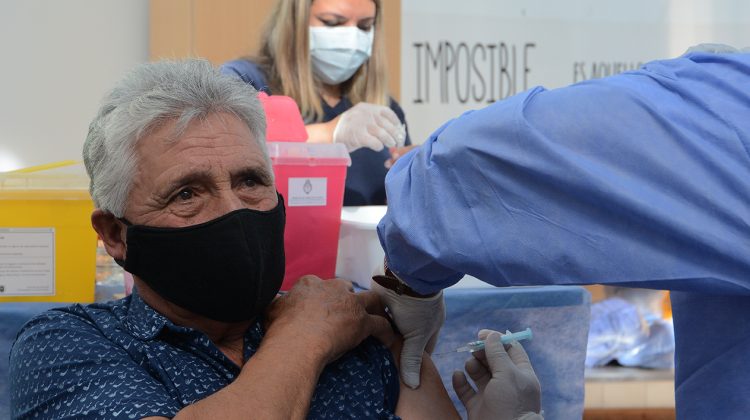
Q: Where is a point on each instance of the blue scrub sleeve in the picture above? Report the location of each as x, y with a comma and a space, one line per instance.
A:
248, 71
640, 179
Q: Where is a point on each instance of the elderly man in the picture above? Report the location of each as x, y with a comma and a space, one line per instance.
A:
185, 200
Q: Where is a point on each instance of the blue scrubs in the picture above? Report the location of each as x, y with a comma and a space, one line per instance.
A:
640, 179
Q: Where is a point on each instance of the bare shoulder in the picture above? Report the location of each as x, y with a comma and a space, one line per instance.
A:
430, 400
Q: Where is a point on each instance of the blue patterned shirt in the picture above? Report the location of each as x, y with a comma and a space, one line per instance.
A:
124, 360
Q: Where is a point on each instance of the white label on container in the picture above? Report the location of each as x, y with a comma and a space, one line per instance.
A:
27, 262
307, 192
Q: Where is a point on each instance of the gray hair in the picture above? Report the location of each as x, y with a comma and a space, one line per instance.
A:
148, 97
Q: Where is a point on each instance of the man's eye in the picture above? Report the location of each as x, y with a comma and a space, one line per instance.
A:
185, 194
249, 182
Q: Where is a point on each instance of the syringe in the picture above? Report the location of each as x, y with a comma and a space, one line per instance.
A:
506, 338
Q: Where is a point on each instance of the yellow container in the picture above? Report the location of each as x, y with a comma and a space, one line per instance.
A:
47, 244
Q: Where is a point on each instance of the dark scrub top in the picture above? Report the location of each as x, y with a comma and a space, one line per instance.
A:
124, 360
365, 179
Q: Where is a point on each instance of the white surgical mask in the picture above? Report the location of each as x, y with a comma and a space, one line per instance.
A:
336, 53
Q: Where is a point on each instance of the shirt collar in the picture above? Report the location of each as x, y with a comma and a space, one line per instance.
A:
340, 107
145, 323
142, 320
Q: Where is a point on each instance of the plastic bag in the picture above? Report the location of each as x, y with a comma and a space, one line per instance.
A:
621, 331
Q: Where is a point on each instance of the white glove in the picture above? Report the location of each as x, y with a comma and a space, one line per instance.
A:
419, 321
369, 125
712, 48
507, 387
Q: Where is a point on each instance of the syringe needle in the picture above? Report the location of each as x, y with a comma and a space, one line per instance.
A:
477, 345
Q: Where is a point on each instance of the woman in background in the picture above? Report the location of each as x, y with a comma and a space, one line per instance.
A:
328, 56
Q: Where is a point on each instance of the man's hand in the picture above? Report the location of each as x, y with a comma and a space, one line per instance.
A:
419, 321
507, 387
327, 317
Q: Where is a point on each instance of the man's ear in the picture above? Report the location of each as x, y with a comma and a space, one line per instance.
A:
111, 231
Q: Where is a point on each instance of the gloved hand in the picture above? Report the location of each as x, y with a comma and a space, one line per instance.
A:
369, 125
419, 321
712, 48
507, 387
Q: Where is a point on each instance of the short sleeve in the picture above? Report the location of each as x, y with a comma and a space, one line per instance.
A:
362, 384
62, 366
248, 71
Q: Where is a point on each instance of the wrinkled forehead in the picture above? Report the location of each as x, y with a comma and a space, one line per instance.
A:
173, 130
218, 140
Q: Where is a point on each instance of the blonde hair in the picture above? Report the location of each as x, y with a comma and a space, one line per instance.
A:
285, 57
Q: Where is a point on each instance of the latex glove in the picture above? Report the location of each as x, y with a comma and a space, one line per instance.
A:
369, 125
507, 387
712, 48
419, 321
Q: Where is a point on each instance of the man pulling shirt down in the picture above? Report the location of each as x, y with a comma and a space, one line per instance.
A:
640, 179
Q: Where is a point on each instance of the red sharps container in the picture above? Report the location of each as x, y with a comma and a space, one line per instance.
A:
311, 178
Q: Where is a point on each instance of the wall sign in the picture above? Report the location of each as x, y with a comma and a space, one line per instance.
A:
27, 261
460, 57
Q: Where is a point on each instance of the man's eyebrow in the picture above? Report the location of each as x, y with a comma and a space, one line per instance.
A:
257, 174
200, 177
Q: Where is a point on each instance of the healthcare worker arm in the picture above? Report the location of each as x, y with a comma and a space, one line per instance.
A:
363, 125
641, 179
418, 319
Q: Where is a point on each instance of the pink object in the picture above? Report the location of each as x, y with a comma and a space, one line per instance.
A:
128, 283
283, 119
311, 178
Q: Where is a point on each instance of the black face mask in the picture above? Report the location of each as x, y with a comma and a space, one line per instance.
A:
228, 269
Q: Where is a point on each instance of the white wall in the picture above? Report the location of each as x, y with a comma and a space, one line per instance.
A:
59, 58
544, 42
